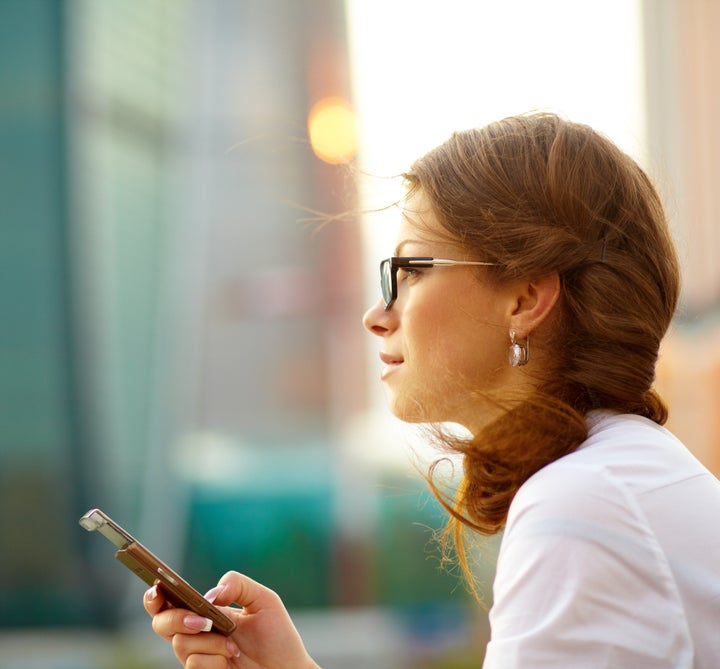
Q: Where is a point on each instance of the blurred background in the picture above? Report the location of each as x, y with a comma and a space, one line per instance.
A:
182, 287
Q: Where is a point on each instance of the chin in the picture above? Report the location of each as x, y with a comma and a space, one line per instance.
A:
419, 408
410, 410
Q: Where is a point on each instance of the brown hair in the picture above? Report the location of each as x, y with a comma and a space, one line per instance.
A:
537, 194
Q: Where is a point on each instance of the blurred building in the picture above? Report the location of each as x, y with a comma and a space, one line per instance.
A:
176, 318
682, 63
181, 341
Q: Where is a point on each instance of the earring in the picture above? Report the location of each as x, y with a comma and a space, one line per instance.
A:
519, 353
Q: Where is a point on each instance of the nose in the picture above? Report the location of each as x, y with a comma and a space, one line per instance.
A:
379, 320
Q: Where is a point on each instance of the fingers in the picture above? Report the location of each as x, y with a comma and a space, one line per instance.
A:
265, 634
183, 629
169, 622
205, 650
154, 600
235, 588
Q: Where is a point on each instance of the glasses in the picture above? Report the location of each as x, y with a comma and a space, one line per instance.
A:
390, 266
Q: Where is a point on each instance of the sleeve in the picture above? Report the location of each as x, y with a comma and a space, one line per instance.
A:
581, 582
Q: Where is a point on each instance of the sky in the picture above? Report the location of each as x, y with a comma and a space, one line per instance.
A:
423, 68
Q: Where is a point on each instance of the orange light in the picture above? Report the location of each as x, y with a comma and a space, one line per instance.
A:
331, 126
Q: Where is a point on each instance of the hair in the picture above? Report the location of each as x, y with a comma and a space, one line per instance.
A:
539, 194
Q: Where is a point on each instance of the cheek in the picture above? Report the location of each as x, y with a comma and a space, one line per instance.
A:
429, 328
438, 341
464, 345
456, 322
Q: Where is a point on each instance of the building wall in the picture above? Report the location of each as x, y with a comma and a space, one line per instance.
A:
682, 61
164, 301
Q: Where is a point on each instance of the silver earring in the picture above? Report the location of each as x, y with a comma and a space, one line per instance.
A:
519, 353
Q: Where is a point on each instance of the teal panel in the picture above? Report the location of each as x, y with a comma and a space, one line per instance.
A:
41, 579
281, 539
34, 344
409, 569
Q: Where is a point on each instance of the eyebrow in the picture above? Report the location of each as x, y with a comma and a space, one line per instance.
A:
398, 248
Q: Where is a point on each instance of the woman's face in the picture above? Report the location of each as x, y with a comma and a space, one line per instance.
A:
446, 337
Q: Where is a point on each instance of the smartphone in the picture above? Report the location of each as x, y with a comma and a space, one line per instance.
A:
150, 569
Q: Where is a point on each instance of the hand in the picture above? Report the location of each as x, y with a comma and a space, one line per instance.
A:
265, 637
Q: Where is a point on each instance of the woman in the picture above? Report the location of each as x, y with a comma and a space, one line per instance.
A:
533, 281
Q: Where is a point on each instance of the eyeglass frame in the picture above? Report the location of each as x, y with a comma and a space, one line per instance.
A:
389, 268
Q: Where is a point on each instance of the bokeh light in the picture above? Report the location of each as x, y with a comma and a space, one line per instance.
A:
331, 126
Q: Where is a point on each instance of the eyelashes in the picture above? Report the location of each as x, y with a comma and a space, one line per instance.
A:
406, 273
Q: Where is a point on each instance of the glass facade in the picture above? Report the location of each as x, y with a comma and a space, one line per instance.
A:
181, 343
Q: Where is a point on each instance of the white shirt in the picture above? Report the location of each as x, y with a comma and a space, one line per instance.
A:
611, 558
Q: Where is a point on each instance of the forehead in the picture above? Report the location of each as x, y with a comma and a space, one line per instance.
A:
419, 224
417, 212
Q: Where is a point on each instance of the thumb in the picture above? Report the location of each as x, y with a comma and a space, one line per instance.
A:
236, 588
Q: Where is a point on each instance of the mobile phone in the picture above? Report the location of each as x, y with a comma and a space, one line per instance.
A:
151, 569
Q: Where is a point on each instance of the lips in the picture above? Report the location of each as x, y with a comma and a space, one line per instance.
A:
390, 359
392, 362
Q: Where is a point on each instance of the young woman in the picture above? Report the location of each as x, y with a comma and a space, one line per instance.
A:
533, 280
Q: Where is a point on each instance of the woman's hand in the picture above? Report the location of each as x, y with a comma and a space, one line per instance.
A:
265, 637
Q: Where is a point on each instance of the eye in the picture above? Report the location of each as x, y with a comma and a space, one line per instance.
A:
407, 272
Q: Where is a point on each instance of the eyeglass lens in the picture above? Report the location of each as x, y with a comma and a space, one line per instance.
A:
386, 281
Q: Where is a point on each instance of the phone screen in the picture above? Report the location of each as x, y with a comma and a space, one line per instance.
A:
151, 569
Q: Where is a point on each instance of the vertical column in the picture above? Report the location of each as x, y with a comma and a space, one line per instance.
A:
682, 56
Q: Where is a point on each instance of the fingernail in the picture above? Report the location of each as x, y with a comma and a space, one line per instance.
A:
151, 594
233, 648
197, 623
212, 594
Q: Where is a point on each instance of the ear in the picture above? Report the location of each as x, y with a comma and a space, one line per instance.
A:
534, 302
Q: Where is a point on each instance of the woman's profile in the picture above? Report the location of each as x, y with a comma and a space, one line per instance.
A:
533, 280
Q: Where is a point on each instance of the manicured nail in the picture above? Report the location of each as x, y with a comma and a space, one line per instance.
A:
233, 648
197, 623
212, 594
151, 594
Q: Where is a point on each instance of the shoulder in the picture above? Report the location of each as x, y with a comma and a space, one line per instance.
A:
580, 505
578, 485
624, 458
580, 559
579, 522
